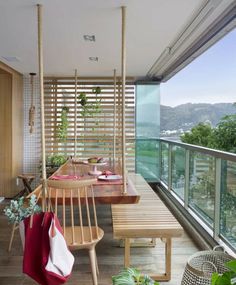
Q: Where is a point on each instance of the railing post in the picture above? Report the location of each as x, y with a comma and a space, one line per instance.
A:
160, 160
187, 177
169, 167
217, 198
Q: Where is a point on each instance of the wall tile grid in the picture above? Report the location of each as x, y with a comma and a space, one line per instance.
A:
32, 141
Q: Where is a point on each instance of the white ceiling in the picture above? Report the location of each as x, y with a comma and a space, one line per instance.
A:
151, 26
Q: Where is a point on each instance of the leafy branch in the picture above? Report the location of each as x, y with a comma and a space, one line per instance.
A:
22, 208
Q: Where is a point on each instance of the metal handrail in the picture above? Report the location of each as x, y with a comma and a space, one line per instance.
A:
209, 151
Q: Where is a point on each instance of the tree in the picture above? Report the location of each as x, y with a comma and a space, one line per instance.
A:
225, 134
201, 135
222, 137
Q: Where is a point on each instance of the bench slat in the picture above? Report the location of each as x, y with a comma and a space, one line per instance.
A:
148, 217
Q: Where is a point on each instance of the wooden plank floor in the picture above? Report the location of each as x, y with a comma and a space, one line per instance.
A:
110, 256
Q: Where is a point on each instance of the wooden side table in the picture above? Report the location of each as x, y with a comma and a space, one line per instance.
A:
26, 179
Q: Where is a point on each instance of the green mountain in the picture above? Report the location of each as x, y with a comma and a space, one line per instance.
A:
186, 116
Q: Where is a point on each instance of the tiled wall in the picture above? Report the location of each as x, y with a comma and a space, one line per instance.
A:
32, 142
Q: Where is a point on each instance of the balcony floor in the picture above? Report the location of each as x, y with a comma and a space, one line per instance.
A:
110, 256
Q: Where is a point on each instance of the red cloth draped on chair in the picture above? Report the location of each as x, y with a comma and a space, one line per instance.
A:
39, 254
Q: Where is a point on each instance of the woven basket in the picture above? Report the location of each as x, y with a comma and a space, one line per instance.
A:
201, 265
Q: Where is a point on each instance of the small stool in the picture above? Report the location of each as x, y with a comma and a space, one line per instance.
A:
27, 179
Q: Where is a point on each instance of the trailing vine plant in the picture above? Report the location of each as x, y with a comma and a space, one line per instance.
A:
83, 100
96, 107
88, 108
62, 127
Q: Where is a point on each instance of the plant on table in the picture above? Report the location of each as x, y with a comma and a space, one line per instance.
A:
56, 160
53, 162
21, 208
132, 276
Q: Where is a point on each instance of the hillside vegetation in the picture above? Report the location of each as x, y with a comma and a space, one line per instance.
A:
188, 115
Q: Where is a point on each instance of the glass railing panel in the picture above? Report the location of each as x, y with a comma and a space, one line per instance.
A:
164, 162
202, 186
147, 159
178, 170
228, 202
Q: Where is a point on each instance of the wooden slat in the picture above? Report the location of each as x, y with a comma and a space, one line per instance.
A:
67, 95
95, 83
60, 91
85, 78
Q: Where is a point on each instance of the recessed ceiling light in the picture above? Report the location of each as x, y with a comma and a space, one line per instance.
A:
11, 58
89, 38
93, 58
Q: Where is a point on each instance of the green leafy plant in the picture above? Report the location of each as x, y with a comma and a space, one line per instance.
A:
56, 160
53, 162
62, 127
227, 278
132, 276
83, 100
97, 90
21, 208
88, 108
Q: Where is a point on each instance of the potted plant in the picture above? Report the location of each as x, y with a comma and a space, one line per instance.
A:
56, 160
53, 162
227, 278
132, 276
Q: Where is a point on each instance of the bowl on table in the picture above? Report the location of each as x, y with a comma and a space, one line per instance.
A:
96, 160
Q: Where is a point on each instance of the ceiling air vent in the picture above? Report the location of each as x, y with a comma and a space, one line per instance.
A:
93, 58
89, 38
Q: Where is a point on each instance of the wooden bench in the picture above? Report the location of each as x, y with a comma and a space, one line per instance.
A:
149, 218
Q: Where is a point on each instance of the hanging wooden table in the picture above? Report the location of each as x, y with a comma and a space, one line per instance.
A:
105, 192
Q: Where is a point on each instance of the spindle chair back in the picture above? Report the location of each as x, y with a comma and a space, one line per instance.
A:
73, 201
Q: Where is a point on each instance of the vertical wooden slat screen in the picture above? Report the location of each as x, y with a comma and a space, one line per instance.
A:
94, 133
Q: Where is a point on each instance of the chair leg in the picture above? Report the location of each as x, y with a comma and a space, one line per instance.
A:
92, 255
97, 269
12, 236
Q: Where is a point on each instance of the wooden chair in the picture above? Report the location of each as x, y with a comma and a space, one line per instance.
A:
79, 219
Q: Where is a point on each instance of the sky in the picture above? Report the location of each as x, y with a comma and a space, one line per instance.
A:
210, 78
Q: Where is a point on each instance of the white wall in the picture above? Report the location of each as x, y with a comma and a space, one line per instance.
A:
32, 142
